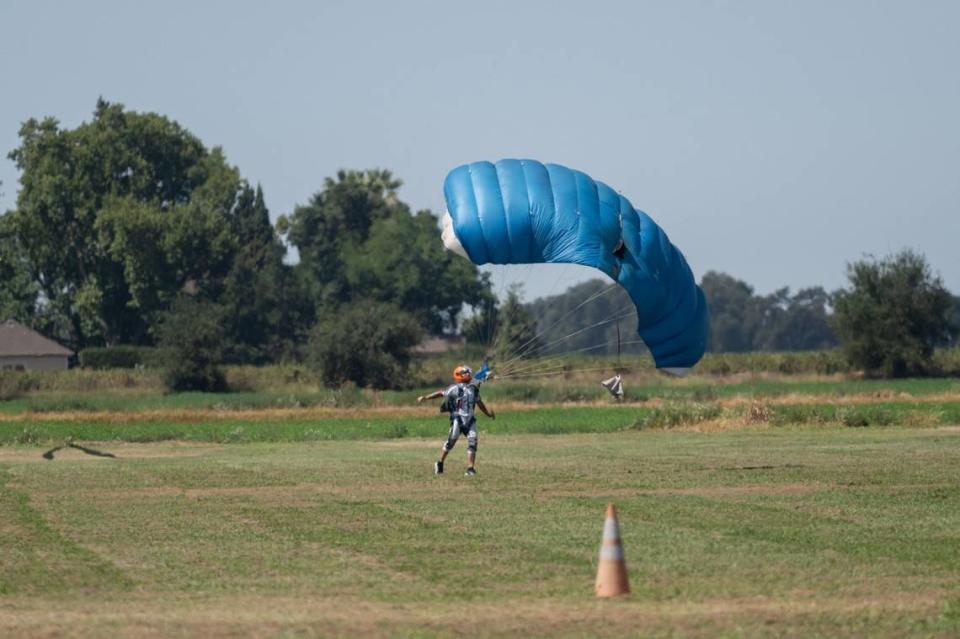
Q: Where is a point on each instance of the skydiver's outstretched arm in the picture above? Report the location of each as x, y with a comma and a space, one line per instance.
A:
483, 407
432, 395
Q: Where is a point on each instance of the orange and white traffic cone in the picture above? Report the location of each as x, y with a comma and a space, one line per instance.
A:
612, 571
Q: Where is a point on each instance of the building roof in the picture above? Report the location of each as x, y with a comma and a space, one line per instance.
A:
16, 340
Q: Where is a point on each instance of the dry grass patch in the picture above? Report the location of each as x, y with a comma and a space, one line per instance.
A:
246, 616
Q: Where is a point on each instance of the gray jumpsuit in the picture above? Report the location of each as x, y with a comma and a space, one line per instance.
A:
462, 398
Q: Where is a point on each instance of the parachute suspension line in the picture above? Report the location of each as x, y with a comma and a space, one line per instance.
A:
525, 349
536, 350
489, 327
503, 346
503, 321
578, 332
617, 370
497, 320
535, 354
493, 316
557, 360
560, 372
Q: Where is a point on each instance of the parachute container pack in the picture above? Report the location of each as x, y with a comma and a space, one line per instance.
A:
524, 212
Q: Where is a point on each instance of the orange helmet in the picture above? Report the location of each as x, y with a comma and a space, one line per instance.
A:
462, 373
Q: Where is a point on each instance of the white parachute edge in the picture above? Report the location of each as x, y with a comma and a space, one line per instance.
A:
449, 238
675, 371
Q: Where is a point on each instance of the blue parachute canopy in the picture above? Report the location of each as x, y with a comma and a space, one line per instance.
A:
524, 212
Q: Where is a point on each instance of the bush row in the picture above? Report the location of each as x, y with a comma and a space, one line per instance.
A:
862, 415
122, 356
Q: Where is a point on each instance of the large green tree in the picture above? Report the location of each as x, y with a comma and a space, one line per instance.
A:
956, 320
894, 314
266, 312
18, 292
357, 240
335, 222
117, 217
403, 262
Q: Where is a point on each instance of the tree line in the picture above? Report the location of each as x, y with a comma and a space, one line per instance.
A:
889, 319
128, 230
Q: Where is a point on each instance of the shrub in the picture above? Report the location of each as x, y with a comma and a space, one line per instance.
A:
191, 336
680, 414
367, 343
894, 315
801, 414
861, 416
11, 385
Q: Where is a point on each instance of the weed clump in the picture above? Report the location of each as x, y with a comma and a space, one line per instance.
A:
12, 385
861, 416
759, 414
679, 414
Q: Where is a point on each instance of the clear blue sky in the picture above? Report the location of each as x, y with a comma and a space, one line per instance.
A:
775, 141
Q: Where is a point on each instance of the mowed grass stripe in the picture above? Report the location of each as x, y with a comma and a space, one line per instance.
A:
36, 558
555, 420
834, 532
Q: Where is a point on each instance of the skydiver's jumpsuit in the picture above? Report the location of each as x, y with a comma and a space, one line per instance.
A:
461, 400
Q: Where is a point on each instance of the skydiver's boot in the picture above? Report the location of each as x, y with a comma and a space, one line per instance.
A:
471, 471
438, 468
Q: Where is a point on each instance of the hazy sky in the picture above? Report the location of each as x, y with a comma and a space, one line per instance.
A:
775, 141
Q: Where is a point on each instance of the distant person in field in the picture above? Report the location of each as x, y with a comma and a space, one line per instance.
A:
461, 400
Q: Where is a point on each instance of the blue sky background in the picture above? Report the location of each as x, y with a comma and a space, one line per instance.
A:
775, 141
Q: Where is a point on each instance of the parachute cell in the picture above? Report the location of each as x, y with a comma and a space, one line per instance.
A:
524, 212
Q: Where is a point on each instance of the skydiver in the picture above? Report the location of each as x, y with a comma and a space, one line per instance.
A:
460, 399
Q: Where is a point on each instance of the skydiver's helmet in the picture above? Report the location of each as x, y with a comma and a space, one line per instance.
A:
462, 374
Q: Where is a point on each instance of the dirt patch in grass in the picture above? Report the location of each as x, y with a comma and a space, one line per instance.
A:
245, 615
877, 397
291, 495
701, 491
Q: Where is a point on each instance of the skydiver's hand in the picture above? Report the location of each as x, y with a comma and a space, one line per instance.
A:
420, 399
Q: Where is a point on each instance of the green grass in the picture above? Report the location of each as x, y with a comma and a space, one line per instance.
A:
137, 429
714, 369
555, 420
695, 389
779, 532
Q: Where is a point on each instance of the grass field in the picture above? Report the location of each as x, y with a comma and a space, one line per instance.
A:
44, 418
761, 506
793, 531
643, 389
